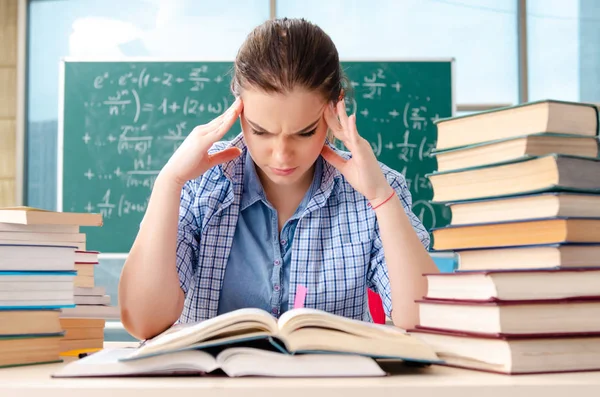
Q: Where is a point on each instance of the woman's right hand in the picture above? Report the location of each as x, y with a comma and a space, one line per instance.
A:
191, 159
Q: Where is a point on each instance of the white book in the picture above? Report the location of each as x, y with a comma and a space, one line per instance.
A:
35, 257
35, 236
90, 291
297, 331
27, 296
16, 227
32, 281
43, 243
92, 300
92, 311
86, 256
37, 216
35, 303
235, 362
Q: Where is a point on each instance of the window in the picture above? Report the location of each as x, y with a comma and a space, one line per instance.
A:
482, 39
554, 42
111, 29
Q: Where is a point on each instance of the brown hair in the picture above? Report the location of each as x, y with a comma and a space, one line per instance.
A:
282, 54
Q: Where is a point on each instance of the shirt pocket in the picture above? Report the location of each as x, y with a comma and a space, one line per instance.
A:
342, 287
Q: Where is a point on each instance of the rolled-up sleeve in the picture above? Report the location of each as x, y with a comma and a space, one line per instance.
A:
187, 238
378, 277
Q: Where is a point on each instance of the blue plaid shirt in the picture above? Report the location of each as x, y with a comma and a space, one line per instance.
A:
336, 251
257, 273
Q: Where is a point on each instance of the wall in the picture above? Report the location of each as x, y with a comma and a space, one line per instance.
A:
8, 101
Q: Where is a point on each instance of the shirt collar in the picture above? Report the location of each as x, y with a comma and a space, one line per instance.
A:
314, 186
253, 190
235, 171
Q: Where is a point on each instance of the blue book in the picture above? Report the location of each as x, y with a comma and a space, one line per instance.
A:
36, 290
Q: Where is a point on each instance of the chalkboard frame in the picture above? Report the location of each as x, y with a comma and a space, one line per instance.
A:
61, 103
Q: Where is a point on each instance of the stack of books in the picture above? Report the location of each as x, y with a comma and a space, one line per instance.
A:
84, 324
82, 334
91, 300
523, 187
38, 254
35, 283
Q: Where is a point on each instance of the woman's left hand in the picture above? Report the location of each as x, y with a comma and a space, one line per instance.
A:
362, 171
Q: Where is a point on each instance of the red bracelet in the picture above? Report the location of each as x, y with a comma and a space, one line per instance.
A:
384, 201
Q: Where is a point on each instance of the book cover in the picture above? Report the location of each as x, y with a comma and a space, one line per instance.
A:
434, 152
521, 159
517, 106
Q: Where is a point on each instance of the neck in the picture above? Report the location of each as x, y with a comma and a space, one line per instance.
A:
286, 196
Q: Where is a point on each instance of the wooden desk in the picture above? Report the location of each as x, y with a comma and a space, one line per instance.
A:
434, 381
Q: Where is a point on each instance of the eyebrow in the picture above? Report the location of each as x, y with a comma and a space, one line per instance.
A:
302, 131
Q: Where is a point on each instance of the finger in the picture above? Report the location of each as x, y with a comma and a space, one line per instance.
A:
352, 127
211, 126
341, 111
352, 131
223, 123
333, 158
233, 107
223, 156
228, 121
217, 121
334, 124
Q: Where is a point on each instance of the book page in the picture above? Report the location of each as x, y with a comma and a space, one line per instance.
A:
107, 362
300, 318
238, 323
256, 362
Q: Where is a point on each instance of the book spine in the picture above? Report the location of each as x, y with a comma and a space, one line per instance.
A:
597, 124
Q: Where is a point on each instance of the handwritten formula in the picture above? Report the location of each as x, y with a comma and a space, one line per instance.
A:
124, 120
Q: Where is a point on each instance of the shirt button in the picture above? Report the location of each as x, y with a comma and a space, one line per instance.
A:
276, 287
277, 262
283, 242
274, 310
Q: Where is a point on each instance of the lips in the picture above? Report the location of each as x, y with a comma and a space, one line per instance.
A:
283, 171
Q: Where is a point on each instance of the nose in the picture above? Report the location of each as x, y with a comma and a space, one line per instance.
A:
283, 151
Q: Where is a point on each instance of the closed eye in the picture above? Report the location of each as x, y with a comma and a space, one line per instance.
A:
304, 134
309, 133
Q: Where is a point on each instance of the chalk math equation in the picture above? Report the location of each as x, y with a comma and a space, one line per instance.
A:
136, 119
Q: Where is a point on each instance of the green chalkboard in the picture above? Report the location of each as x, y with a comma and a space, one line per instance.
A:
121, 121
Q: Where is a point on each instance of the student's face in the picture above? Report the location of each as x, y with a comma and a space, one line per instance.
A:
284, 133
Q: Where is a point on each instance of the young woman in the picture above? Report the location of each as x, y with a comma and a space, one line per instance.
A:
278, 210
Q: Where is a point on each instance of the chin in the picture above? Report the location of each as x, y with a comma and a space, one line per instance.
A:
287, 180
284, 180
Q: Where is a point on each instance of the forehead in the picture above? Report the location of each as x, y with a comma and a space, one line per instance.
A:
287, 112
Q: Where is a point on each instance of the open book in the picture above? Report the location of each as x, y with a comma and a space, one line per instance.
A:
234, 362
297, 331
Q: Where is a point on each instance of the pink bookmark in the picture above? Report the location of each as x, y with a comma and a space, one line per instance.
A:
300, 296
